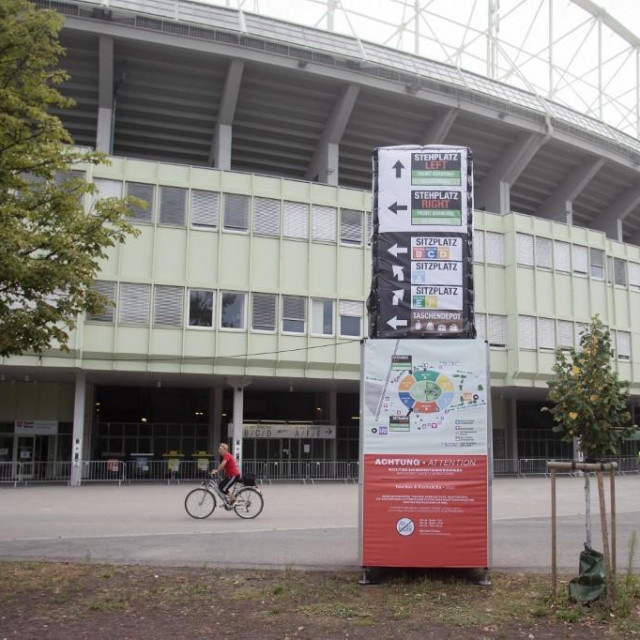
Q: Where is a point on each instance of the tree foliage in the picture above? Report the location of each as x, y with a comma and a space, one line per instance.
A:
589, 401
50, 248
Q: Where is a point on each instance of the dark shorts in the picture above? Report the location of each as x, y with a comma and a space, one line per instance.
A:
227, 483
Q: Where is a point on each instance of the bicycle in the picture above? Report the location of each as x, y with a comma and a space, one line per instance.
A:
201, 502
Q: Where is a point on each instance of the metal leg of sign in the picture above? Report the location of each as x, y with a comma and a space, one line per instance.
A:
485, 581
365, 577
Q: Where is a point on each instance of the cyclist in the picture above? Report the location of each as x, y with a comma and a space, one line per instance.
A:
231, 470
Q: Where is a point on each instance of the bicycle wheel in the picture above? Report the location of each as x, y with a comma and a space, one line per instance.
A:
200, 503
249, 503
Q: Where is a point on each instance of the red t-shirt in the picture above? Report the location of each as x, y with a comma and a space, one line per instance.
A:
231, 468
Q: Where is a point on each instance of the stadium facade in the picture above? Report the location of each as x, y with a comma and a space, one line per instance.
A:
243, 298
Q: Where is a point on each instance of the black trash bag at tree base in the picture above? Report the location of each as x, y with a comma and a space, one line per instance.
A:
589, 586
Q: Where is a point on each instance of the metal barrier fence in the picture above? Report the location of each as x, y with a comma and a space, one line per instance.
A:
119, 471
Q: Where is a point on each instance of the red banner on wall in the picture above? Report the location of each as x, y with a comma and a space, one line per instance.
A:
425, 511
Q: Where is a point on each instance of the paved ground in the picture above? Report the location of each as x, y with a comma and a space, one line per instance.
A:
314, 526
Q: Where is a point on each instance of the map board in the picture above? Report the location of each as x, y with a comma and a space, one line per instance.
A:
425, 453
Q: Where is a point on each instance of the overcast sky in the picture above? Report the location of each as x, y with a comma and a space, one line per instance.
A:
625, 11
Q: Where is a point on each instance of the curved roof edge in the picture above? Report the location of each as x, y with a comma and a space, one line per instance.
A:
309, 45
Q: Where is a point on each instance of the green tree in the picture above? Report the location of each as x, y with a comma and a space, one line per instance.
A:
50, 248
589, 401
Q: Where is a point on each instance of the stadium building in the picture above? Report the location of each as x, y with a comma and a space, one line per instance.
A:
243, 298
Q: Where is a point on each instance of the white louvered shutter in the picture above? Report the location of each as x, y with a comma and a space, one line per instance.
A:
494, 247
580, 328
296, 220
205, 208
623, 342
478, 245
546, 333
481, 325
634, 275
524, 249
497, 331
173, 205
369, 218
266, 213
263, 312
351, 226
527, 332
544, 253
562, 255
144, 192
580, 259
596, 264
108, 290
294, 314
133, 306
565, 334
323, 224
106, 189
236, 212
167, 307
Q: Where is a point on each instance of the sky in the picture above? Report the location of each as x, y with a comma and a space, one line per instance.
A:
625, 11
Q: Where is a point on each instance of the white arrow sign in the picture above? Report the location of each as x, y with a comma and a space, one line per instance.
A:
398, 296
395, 323
398, 272
395, 250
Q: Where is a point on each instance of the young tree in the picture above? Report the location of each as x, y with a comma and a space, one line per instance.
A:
50, 248
589, 401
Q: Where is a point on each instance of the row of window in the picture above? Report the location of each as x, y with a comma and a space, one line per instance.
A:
545, 253
271, 217
208, 309
548, 334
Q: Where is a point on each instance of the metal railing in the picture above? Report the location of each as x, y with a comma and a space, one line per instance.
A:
266, 471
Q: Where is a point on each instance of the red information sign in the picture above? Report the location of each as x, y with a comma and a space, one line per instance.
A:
425, 511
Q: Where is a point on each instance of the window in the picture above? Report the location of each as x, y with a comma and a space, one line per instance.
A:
478, 245
236, 212
263, 312
167, 306
173, 204
266, 213
351, 226
623, 342
579, 329
294, 314
546, 334
634, 275
620, 271
565, 334
527, 332
144, 192
205, 209
296, 220
322, 317
494, 248
562, 256
232, 310
369, 217
350, 318
544, 253
524, 249
323, 224
579, 259
497, 333
200, 308
108, 290
133, 306
596, 263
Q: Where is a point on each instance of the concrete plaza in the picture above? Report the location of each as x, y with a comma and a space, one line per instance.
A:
304, 526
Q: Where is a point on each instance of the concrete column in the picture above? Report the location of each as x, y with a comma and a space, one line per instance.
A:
238, 385
215, 419
78, 428
513, 422
104, 132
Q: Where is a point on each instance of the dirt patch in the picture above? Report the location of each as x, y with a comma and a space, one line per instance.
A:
60, 601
